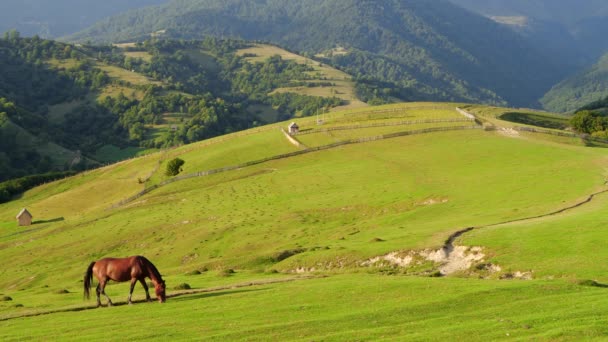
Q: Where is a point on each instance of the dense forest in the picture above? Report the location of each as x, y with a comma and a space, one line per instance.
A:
204, 84
417, 49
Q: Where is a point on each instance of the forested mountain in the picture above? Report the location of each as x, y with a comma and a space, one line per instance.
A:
62, 106
586, 86
568, 12
411, 49
60, 17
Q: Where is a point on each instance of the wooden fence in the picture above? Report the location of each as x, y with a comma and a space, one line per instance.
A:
383, 124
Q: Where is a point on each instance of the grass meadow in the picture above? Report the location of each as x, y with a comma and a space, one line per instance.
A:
275, 251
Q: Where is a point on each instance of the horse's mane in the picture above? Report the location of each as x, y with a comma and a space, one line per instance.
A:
152, 268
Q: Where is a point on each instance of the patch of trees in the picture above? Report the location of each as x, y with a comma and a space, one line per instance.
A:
12, 187
303, 104
590, 122
592, 119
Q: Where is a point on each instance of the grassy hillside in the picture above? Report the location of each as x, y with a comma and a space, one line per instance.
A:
240, 238
113, 102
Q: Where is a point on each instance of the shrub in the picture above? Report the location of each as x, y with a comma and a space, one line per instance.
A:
182, 286
174, 167
226, 273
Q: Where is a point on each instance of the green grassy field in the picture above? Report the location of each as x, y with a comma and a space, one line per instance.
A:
323, 214
360, 307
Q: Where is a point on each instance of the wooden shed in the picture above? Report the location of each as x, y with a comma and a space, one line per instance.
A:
24, 218
293, 128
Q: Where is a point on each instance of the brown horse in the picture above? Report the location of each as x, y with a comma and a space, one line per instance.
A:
124, 269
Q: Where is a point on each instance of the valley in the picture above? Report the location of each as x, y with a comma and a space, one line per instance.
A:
311, 170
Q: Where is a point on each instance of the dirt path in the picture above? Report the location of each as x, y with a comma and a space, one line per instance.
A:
455, 258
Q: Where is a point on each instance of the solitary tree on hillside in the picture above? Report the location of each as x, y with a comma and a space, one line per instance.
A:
174, 167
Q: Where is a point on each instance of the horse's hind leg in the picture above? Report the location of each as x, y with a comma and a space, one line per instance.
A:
98, 291
143, 283
103, 291
133, 282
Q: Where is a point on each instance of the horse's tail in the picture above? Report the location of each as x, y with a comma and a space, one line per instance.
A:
88, 278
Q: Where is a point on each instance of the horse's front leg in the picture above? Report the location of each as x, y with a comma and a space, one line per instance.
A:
133, 282
102, 288
143, 283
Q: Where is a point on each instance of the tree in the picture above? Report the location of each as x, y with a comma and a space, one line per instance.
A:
174, 167
588, 122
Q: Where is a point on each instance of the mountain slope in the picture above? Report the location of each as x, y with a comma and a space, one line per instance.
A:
60, 17
571, 27
428, 50
568, 12
575, 92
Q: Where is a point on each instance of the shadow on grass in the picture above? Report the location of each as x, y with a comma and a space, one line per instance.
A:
592, 283
58, 219
187, 297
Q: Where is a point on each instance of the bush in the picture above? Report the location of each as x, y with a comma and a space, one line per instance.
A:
226, 272
182, 286
174, 167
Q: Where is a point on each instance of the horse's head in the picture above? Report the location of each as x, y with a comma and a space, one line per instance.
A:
159, 288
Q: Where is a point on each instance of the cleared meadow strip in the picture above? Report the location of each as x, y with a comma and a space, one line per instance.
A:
384, 123
333, 136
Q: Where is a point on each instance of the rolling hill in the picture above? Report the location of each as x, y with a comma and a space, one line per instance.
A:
413, 50
357, 234
111, 103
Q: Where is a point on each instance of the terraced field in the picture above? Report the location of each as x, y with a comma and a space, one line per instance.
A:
343, 86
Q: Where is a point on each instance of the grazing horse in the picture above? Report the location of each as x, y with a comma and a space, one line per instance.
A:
124, 269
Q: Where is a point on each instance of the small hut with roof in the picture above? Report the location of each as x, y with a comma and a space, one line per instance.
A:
24, 218
293, 128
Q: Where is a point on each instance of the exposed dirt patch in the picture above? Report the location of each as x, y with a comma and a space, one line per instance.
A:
509, 132
459, 259
432, 201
